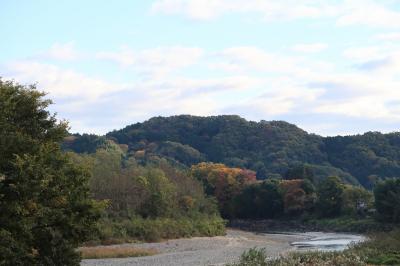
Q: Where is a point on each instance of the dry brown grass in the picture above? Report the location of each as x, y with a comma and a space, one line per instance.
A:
114, 252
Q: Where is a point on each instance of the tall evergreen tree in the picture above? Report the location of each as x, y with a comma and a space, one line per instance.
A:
44, 198
387, 200
330, 197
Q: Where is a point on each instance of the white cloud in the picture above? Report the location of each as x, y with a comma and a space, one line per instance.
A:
60, 83
346, 12
158, 61
173, 91
391, 36
179, 95
250, 81
285, 100
309, 47
61, 51
248, 57
384, 59
124, 57
195, 9
365, 53
279, 97
269, 10
362, 95
291, 83
362, 107
370, 13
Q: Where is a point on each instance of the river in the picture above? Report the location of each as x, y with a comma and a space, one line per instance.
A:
327, 241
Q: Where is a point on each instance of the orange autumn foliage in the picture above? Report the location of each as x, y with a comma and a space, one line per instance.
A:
223, 182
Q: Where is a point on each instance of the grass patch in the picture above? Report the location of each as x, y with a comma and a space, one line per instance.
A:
319, 258
382, 249
256, 257
114, 252
157, 229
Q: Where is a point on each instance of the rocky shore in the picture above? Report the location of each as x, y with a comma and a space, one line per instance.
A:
205, 250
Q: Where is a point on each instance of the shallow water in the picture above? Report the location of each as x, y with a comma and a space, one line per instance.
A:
327, 241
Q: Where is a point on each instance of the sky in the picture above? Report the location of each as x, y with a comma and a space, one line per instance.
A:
329, 66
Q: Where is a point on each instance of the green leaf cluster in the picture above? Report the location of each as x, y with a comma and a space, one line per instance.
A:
44, 198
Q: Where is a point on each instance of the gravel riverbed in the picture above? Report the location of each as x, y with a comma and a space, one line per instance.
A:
197, 251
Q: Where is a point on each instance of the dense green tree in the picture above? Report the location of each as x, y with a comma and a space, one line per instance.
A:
362, 156
387, 200
298, 196
356, 200
301, 171
44, 198
156, 189
182, 153
83, 143
330, 197
272, 148
223, 182
161, 195
260, 200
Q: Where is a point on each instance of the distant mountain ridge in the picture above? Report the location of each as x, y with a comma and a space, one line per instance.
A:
270, 148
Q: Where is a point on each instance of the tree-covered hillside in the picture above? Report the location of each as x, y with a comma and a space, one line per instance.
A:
269, 148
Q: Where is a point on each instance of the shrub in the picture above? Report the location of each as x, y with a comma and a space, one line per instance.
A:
330, 197
156, 229
387, 200
382, 249
319, 258
252, 257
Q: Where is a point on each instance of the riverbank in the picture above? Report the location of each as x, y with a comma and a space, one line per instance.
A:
205, 250
342, 224
221, 250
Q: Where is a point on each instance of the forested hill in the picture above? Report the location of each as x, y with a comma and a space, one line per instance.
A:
271, 148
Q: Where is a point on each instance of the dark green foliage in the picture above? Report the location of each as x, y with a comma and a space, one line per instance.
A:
161, 201
330, 197
364, 155
44, 198
322, 171
224, 183
272, 149
302, 171
147, 202
25, 124
263, 200
356, 201
181, 153
387, 200
273, 198
230, 139
83, 143
153, 190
